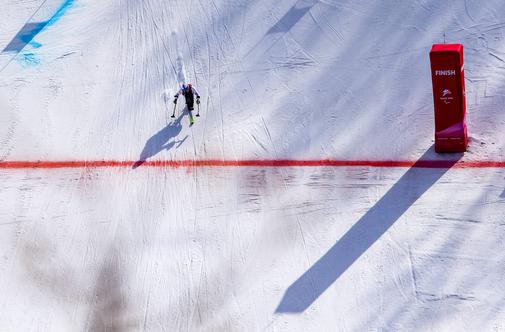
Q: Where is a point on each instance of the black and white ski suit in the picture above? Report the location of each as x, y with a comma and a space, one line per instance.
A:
189, 94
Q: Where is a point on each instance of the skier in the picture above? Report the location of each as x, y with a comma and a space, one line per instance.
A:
189, 93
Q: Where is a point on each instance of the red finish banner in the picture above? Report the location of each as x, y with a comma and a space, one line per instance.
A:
447, 72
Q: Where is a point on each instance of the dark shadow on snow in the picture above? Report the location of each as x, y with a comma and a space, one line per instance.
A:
295, 14
285, 24
162, 140
367, 230
109, 306
24, 36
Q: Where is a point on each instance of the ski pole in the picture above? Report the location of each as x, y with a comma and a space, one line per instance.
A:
173, 113
198, 113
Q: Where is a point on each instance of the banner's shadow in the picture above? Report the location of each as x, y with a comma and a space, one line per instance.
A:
367, 230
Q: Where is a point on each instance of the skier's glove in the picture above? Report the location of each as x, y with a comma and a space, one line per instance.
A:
175, 99
198, 100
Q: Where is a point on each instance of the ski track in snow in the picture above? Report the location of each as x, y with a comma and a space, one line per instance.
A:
113, 234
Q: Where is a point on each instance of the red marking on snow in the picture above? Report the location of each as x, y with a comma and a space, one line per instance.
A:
249, 163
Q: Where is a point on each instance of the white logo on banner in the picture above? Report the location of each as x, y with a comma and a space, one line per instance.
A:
446, 96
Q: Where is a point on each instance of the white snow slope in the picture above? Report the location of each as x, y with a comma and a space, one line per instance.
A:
148, 248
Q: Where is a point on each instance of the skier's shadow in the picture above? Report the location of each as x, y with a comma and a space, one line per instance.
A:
162, 140
366, 231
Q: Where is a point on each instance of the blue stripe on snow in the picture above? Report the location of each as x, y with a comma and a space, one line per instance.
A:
60, 12
29, 60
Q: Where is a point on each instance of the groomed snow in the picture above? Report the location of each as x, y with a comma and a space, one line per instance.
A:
247, 248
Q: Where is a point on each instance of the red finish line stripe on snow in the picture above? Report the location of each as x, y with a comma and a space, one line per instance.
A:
253, 163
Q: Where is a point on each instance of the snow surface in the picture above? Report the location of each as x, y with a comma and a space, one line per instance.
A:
247, 248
